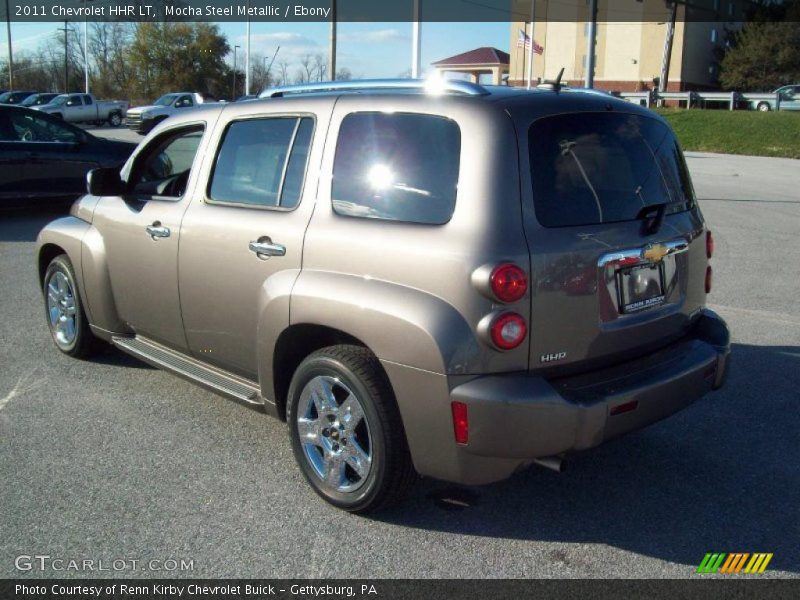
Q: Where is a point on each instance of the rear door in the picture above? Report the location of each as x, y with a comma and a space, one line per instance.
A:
246, 223
617, 264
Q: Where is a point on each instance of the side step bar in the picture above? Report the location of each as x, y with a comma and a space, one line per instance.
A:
221, 382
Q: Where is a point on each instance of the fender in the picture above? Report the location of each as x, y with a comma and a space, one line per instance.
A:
67, 234
399, 324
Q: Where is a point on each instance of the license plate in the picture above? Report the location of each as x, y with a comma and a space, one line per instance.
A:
640, 287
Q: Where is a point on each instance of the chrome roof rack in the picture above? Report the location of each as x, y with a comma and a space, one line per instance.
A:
433, 85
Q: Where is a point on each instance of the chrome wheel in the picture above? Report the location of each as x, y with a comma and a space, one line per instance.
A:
61, 309
334, 434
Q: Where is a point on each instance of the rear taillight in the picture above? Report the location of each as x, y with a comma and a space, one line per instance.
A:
709, 279
460, 422
508, 282
709, 244
508, 331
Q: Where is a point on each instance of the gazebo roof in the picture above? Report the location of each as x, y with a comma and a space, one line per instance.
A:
478, 56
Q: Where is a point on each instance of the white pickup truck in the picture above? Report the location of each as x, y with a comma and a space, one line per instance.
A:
143, 118
84, 108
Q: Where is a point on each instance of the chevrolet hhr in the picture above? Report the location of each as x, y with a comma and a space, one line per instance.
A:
450, 280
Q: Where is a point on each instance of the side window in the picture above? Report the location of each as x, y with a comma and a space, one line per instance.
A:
398, 167
74, 101
184, 101
262, 162
87, 100
163, 168
33, 128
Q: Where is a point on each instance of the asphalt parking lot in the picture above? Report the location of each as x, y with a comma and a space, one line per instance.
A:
112, 459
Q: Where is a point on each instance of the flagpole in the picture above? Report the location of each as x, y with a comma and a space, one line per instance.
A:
530, 51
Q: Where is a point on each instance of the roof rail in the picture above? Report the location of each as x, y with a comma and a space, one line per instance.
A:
434, 85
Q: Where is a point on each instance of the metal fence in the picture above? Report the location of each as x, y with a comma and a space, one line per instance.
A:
700, 99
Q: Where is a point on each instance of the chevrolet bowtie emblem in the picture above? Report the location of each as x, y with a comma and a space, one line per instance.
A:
655, 252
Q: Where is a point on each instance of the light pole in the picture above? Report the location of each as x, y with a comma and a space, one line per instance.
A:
233, 85
416, 42
247, 55
10, 54
332, 49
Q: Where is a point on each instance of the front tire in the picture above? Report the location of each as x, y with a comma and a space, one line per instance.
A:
346, 431
66, 318
763, 107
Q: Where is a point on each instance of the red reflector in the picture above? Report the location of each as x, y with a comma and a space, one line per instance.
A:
460, 422
508, 330
709, 279
509, 282
623, 408
709, 244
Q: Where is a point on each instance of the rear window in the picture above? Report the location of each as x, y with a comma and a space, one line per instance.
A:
592, 168
397, 167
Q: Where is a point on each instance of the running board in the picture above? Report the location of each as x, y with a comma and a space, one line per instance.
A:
216, 380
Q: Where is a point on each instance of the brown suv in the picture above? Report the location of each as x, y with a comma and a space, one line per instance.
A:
456, 282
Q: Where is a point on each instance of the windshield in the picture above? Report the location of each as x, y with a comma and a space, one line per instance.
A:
165, 100
5, 97
30, 100
59, 100
591, 168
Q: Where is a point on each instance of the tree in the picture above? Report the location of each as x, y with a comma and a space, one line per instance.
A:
180, 56
765, 53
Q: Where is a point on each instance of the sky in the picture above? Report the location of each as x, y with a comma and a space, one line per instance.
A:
369, 50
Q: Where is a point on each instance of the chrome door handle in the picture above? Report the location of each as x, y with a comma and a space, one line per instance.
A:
156, 230
266, 247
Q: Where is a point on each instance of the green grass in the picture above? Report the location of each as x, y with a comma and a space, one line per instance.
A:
738, 132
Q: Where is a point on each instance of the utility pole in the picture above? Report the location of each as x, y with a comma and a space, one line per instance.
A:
592, 42
664, 77
233, 84
416, 42
530, 50
332, 49
66, 62
10, 53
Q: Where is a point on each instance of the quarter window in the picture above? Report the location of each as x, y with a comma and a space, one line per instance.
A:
397, 167
262, 162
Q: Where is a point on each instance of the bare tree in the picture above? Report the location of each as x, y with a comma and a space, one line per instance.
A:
320, 66
307, 71
282, 67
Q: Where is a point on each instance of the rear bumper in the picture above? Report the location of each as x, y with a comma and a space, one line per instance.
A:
516, 417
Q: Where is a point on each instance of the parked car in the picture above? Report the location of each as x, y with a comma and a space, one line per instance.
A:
85, 108
408, 232
143, 118
789, 100
15, 97
38, 99
42, 157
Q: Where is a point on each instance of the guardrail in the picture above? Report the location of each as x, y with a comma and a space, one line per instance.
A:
690, 99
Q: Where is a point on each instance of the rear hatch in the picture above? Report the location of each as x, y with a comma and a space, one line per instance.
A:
618, 256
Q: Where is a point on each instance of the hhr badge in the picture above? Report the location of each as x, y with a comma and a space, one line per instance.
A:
553, 356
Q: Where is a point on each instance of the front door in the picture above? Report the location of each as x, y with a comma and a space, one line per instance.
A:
244, 227
141, 231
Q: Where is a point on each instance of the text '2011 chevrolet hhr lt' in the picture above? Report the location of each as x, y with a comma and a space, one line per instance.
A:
454, 282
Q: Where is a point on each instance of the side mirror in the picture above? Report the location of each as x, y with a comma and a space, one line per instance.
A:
104, 182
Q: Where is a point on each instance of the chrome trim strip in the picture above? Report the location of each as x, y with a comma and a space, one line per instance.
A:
672, 247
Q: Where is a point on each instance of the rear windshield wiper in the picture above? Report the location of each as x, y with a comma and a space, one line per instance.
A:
652, 217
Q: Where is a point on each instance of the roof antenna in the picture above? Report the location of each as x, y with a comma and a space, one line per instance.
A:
555, 84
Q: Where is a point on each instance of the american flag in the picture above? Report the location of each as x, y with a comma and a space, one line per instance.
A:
524, 41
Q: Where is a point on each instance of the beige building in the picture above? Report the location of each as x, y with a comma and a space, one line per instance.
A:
630, 45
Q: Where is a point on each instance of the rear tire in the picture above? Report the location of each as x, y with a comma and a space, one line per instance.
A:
64, 310
763, 107
346, 431
115, 119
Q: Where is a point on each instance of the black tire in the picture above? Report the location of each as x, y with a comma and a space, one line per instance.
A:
83, 344
763, 107
391, 471
115, 119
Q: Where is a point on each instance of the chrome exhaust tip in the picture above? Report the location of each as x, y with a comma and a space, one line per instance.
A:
554, 463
